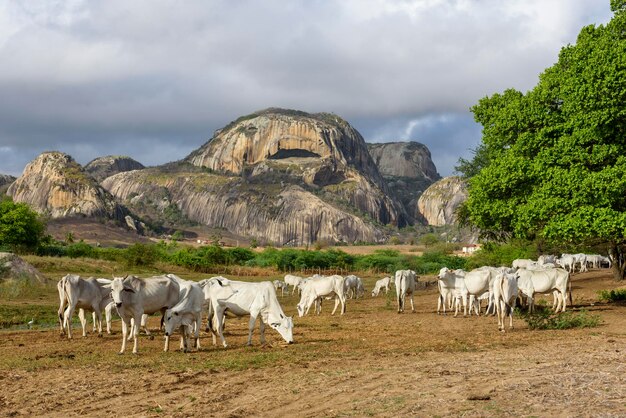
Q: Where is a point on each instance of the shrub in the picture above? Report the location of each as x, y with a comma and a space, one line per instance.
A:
543, 319
140, 255
617, 295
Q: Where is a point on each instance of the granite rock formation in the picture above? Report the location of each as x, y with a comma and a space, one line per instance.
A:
103, 167
438, 204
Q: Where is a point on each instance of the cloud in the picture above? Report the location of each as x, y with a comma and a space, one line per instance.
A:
150, 76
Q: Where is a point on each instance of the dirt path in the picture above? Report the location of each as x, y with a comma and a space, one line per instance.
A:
372, 361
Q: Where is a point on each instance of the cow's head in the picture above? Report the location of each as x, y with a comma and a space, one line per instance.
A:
284, 326
120, 288
375, 291
444, 272
172, 320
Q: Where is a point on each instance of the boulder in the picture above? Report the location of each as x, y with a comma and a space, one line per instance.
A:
103, 167
13, 267
438, 204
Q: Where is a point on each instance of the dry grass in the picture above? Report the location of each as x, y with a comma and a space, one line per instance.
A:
370, 361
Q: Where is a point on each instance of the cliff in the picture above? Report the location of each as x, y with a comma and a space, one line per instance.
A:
55, 185
103, 167
440, 201
5, 182
408, 170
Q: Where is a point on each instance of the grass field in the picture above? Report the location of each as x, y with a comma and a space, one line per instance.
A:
369, 362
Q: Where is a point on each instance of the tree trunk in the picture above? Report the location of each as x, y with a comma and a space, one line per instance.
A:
616, 253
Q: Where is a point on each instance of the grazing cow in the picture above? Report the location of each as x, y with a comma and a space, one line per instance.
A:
405, 286
581, 260
186, 314
381, 284
90, 294
134, 297
505, 295
531, 282
242, 298
279, 284
477, 282
353, 287
294, 281
315, 288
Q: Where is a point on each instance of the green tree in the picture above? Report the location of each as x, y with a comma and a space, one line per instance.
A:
552, 162
21, 229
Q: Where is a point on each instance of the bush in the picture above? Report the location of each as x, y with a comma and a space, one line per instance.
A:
138, 255
21, 229
618, 295
492, 254
543, 318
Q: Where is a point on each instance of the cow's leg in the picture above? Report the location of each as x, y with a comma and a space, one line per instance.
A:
251, 328
438, 304
262, 329
337, 304
412, 306
83, 321
219, 315
136, 333
133, 325
98, 316
125, 326
184, 343
67, 320
107, 314
144, 321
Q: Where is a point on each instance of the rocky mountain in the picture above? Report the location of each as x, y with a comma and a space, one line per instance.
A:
103, 167
408, 170
284, 176
438, 204
5, 182
55, 185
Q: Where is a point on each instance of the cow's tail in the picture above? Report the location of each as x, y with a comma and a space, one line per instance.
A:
399, 292
210, 320
62, 299
507, 306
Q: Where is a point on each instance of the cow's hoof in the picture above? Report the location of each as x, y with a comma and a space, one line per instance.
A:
120, 353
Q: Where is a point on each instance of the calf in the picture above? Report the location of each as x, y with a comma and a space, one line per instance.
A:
186, 314
381, 284
316, 288
353, 286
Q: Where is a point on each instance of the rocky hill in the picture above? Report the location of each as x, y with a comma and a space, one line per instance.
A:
284, 176
438, 204
5, 182
408, 170
57, 186
103, 167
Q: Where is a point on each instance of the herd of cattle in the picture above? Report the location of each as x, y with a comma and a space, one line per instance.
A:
182, 302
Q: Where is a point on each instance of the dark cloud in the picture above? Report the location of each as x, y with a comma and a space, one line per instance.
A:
154, 79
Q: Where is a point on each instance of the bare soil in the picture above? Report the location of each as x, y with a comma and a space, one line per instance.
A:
369, 362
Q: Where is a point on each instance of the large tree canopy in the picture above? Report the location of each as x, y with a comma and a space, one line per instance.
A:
20, 227
552, 162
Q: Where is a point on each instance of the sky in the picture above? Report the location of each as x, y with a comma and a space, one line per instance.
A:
154, 79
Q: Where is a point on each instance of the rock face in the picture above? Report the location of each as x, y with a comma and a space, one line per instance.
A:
5, 182
318, 151
440, 201
282, 176
55, 185
103, 167
408, 169
13, 267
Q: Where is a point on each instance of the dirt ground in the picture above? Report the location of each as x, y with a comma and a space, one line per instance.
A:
369, 362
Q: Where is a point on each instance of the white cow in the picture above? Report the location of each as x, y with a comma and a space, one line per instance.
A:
522, 263
315, 288
505, 295
353, 286
451, 286
568, 262
384, 283
186, 314
242, 298
134, 297
405, 286
279, 284
546, 258
581, 260
477, 282
294, 281
90, 294
531, 282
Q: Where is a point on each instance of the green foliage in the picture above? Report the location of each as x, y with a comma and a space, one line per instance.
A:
138, 255
543, 319
617, 295
178, 236
552, 162
21, 229
429, 239
494, 254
